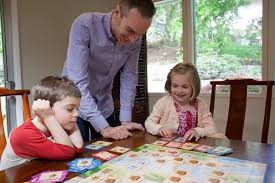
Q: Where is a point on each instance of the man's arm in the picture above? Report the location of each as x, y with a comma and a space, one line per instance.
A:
129, 78
128, 83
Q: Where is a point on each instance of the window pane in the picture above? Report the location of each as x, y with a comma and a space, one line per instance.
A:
228, 39
164, 43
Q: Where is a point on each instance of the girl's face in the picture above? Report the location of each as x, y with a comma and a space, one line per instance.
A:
65, 112
181, 87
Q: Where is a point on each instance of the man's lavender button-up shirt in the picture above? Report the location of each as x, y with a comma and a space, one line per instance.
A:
93, 59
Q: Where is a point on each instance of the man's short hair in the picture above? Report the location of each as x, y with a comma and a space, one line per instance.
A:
145, 7
54, 88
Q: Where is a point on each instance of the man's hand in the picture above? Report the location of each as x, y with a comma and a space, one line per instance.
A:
190, 134
117, 133
42, 108
132, 126
165, 132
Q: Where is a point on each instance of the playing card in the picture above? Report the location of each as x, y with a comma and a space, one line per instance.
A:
167, 138
94, 146
189, 146
220, 150
180, 139
102, 143
82, 164
160, 142
173, 144
104, 155
203, 148
119, 149
50, 176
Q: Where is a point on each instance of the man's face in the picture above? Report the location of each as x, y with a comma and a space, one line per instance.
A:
130, 27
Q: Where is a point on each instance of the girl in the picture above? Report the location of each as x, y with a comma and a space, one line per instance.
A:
182, 112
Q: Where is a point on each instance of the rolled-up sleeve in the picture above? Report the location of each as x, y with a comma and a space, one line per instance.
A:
129, 78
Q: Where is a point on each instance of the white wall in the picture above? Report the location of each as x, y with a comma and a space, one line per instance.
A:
44, 27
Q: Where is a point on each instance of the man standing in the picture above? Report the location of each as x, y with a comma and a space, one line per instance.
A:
100, 45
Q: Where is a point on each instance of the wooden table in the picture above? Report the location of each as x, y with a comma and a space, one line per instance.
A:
252, 151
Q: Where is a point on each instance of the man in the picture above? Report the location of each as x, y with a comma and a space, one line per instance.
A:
100, 45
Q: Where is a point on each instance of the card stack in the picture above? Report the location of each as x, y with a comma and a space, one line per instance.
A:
83, 164
178, 142
49, 176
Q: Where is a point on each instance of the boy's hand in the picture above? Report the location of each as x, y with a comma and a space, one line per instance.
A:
190, 134
132, 126
42, 108
165, 132
117, 133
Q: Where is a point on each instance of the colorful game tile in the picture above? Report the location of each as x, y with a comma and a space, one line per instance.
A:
160, 142
104, 155
119, 149
174, 144
203, 148
102, 143
189, 146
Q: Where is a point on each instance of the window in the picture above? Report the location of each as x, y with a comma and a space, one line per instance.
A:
227, 40
164, 43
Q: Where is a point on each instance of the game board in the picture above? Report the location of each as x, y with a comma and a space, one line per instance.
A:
152, 164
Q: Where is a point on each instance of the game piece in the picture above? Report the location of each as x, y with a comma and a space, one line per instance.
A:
50, 176
168, 138
82, 164
173, 144
189, 146
203, 148
94, 146
104, 155
119, 149
102, 143
160, 142
220, 150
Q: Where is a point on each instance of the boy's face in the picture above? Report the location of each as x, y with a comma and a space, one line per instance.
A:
130, 27
65, 112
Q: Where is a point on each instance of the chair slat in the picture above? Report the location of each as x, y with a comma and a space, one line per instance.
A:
5, 92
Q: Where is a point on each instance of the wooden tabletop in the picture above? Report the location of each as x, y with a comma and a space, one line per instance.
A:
253, 151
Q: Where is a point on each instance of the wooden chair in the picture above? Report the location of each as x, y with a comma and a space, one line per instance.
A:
4, 92
237, 105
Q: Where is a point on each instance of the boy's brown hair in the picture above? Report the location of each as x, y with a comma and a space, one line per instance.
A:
183, 68
54, 88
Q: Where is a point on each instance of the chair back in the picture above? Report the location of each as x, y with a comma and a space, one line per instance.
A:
4, 92
237, 106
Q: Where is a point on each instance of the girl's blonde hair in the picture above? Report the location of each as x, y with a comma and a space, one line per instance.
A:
183, 68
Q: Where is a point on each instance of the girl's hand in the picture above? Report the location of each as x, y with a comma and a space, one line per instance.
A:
42, 108
190, 134
165, 132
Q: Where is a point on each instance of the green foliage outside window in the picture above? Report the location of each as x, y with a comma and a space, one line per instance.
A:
221, 51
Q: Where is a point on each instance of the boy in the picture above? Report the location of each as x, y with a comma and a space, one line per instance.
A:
53, 132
